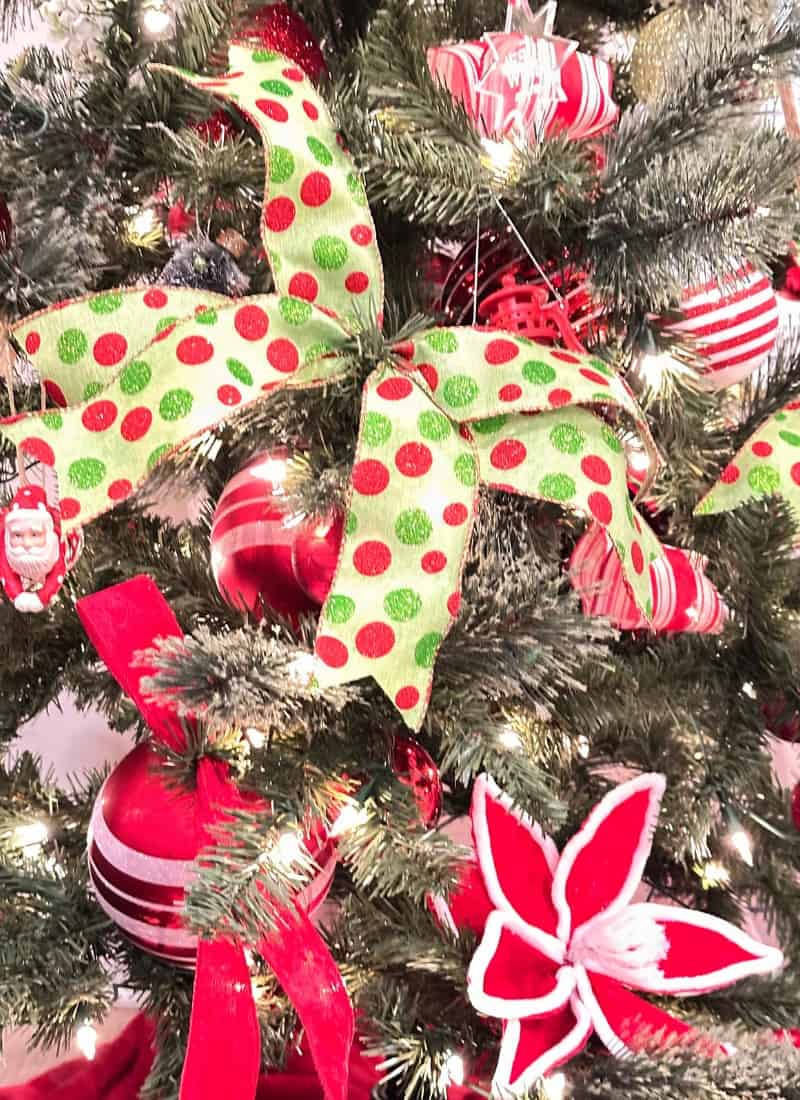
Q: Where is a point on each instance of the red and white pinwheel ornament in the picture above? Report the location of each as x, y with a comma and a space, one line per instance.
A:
563, 944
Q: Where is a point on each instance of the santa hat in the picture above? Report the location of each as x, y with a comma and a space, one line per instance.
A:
30, 503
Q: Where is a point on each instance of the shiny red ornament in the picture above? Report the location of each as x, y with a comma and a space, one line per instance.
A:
277, 27
414, 767
781, 719
216, 127
6, 225
796, 806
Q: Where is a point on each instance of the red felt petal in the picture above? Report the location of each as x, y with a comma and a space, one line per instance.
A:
624, 1021
516, 858
704, 952
602, 864
511, 976
468, 906
531, 1048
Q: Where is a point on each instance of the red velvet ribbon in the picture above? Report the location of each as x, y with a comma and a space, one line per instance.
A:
223, 1052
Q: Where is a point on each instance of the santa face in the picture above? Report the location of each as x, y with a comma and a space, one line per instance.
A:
31, 546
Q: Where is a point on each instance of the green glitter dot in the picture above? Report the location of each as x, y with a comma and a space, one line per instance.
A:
158, 454
567, 438
466, 470
356, 189
165, 322
490, 425
434, 426
648, 608
106, 303
611, 440
277, 87
792, 438
629, 512
599, 395
413, 527
377, 429
135, 377
460, 390
781, 416
538, 372
317, 351
175, 404
86, 473
402, 604
602, 368
339, 609
72, 345
351, 525
260, 56
320, 152
705, 507
622, 551
441, 340
281, 164
53, 421
426, 649
294, 311
275, 262
329, 252
239, 371
206, 317
557, 487
764, 479
91, 389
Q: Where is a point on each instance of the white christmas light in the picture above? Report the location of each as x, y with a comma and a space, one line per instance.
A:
156, 20
86, 1041
143, 222
509, 738
741, 844
354, 813
582, 746
651, 368
714, 873
256, 737
453, 1071
31, 838
555, 1086
500, 153
289, 849
301, 669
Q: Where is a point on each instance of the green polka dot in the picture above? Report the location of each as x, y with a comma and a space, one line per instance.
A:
557, 487
356, 189
629, 511
460, 390
106, 303
413, 527
622, 550
426, 648
330, 253
434, 426
443, 341
611, 439
317, 351
764, 479
135, 377
91, 389
490, 425
377, 429
781, 416
792, 438
72, 345
277, 87
165, 322
466, 470
86, 473
239, 371
538, 372
602, 368
260, 56
275, 262
206, 317
158, 454
320, 152
600, 395
648, 608
339, 609
294, 311
351, 524
281, 164
53, 421
402, 604
705, 506
567, 438
175, 404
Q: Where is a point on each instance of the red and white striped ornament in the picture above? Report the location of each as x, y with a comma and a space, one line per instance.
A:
734, 322
143, 838
683, 598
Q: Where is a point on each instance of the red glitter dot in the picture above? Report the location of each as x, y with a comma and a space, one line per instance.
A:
433, 562
564, 356
508, 454
33, 342
291, 73
637, 557
55, 393
304, 285
454, 603
310, 110
406, 698
596, 469
38, 449
110, 349
155, 298
70, 508
272, 109
372, 558
593, 376
762, 449
193, 350
600, 507
165, 332
413, 459
500, 351
455, 514
120, 489
394, 389
251, 323
279, 214
795, 473
558, 397
331, 651
730, 474
375, 640
370, 477
357, 282
228, 395
430, 374
362, 234
512, 392
99, 416
136, 424
315, 190
283, 355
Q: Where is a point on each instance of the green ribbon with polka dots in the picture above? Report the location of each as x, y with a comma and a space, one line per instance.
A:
769, 463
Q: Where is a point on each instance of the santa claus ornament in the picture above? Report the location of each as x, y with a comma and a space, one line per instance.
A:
35, 557
563, 943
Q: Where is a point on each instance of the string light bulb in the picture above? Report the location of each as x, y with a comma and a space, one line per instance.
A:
454, 1070
156, 20
555, 1086
509, 738
31, 838
257, 738
86, 1041
713, 874
740, 841
582, 746
354, 813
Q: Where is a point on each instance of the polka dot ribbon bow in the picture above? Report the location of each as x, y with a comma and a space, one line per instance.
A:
143, 370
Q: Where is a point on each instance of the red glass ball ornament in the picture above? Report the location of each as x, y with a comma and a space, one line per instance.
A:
414, 767
781, 719
216, 127
796, 806
277, 27
6, 225
315, 555
180, 221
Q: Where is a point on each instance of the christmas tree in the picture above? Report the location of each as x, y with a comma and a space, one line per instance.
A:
452, 326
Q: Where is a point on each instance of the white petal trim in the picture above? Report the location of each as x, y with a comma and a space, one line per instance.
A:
767, 958
555, 1056
611, 1041
519, 1007
652, 782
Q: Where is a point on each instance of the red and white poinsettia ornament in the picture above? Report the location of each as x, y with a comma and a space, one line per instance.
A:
563, 943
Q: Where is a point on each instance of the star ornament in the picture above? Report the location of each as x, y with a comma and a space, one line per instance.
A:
563, 944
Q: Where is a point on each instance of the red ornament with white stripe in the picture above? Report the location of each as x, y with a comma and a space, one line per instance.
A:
143, 838
734, 323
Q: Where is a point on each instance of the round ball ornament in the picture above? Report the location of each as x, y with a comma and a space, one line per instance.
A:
661, 44
781, 719
415, 768
795, 806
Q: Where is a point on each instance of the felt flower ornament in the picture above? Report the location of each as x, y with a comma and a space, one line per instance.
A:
563, 943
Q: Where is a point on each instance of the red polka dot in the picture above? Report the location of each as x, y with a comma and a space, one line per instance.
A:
370, 477
251, 323
120, 489
272, 109
413, 459
454, 603
511, 392
136, 424
357, 282
291, 73
637, 557
637, 526
407, 697
55, 393
165, 332
430, 374
600, 507
730, 474
375, 640
315, 190
228, 395
99, 416
38, 449
331, 651
455, 514
283, 355
110, 349
193, 350
593, 376
279, 214
310, 110
433, 562
558, 397
564, 356
70, 508
596, 469
155, 299
500, 351
304, 285
372, 558
508, 454
762, 449
792, 405
362, 234
464, 432
394, 389
33, 342
795, 473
